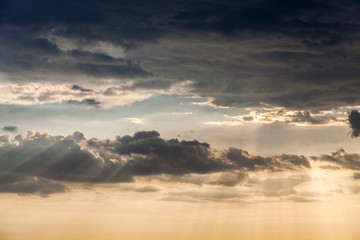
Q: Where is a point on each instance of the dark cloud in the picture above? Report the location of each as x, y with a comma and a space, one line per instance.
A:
294, 54
23, 184
305, 117
248, 118
354, 121
58, 157
81, 89
87, 101
74, 158
275, 163
31, 163
342, 159
40, 59
154, 155
10, 128
356, 175
157, 156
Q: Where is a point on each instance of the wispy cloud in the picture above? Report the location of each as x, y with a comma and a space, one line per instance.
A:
137, 120
237, 55
283, 116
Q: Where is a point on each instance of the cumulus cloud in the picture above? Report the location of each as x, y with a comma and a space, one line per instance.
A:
40, 163
275, 163
74, 158
342, 159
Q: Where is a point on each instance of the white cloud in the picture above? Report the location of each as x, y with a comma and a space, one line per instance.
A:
137, 120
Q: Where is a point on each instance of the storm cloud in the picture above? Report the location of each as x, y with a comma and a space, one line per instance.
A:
291, 54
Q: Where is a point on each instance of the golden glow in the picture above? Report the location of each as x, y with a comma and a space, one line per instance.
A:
115, 214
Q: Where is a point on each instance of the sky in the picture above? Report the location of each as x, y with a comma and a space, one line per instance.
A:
179, 119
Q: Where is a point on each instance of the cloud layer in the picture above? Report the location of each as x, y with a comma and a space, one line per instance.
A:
296, 54
74, 158
31, 163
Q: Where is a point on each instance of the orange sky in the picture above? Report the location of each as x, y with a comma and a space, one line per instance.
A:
103, 213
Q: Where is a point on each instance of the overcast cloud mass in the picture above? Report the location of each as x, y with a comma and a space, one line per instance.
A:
292, 54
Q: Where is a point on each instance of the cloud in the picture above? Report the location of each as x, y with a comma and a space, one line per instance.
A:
149, 84
144, 189
106, 95
356, 175
201, 195
257, 186
10, 128
354, 121
274, 163
40, 163
225, 179
39, 58
283, 116
88, 102
77, 87
23, 184
74, 158
137, 120
342, 159
55, 157
284, 54
282, 186
153, 155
